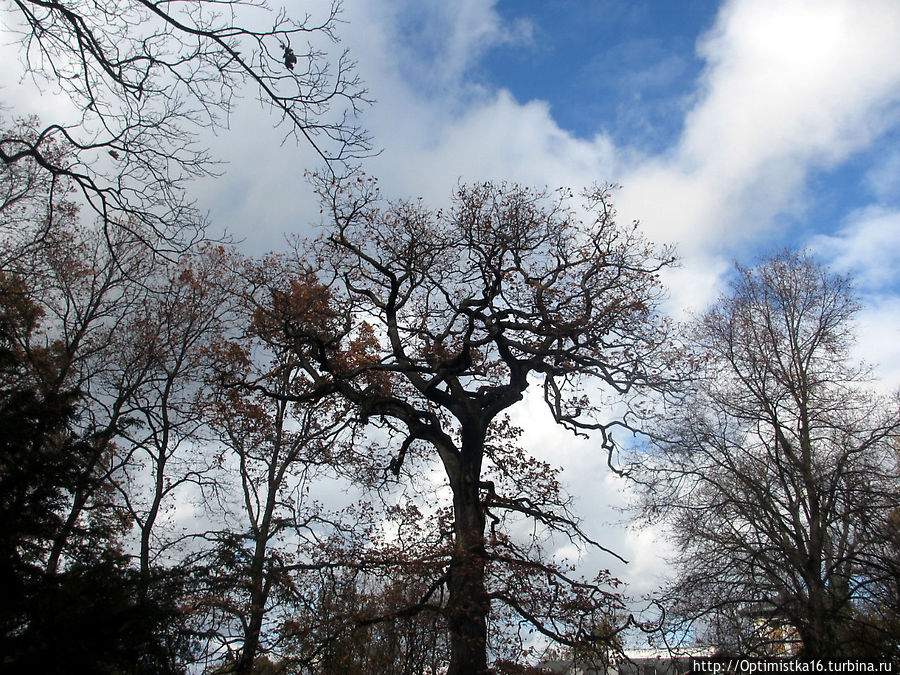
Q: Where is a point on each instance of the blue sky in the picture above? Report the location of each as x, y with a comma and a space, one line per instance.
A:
735, 128
622, 69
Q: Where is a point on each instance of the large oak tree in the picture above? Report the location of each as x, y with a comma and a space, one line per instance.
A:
433, 324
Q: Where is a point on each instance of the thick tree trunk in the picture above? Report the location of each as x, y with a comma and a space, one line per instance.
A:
254, 628
819, 635
468, 605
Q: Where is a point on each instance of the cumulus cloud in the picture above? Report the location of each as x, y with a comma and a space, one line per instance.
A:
442, 41
787, 88
792, 83
867, 246
878, 331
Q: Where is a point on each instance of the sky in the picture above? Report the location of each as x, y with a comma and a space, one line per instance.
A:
734, 129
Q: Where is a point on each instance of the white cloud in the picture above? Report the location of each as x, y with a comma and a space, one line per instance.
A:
868, 247
694, 285
498, 139
878, 339
788, 87
649, 551
793, 82
600, 497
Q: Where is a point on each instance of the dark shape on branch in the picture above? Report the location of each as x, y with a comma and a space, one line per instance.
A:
290, 59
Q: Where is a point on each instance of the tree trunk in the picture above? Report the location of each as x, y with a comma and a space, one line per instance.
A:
819, 638
259, 590
62, 537
80, 497
468, 604
152, 514
258, 598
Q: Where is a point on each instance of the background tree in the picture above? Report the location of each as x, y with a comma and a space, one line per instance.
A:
362, 625
105, 336
273, 449
34, 444
775, 473
33, 202
88, 616
144, 77
166, 345
289, 579
877, 624
83, 284
439, 322
72, 298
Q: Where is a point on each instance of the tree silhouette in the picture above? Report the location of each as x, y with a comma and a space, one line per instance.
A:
433, 324
776, 473
144, 77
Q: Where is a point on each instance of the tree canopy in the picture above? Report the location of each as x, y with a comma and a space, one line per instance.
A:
433, 324
777, 471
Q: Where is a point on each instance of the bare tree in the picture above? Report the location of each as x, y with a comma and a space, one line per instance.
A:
775, 474
433, 324
32, 202
67, 401
344, 631
167, 343
144, 76
84, 285
270, 451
